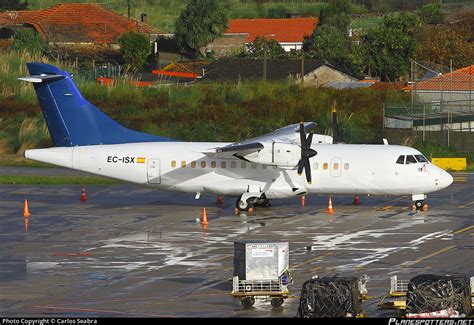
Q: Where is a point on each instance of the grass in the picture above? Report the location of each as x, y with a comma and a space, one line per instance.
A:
57, 180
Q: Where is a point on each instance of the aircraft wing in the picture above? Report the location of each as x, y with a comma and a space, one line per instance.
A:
288, 134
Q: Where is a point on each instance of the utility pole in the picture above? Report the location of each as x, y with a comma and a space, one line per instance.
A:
302, 69
265, 62
128, 8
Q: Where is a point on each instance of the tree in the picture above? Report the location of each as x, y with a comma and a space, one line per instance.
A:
330, 39
440, 44
387, 49
337, 14
257, 49
134, 48
201, 22
13, 5
431, 14
332, 45
28, 40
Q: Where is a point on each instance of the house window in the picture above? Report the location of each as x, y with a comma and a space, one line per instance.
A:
173, 163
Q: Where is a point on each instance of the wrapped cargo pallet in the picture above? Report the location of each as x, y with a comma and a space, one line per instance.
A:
330, 297
448, 295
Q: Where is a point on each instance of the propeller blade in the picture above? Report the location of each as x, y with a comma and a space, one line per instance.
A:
335, 125
309, 140
307, 170
300, 167
302, 136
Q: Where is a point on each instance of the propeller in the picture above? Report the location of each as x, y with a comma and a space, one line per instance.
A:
306, 153
336, 136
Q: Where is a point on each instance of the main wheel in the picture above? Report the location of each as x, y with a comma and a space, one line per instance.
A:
247, 302
244, 205
277, 302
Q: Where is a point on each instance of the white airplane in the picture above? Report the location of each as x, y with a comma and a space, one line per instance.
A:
255, 170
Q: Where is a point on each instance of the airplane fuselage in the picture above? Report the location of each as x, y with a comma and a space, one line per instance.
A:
182, 166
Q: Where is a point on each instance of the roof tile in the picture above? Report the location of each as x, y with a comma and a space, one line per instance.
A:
77, 22
282, 30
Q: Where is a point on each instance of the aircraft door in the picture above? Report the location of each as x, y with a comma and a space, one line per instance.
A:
153, 171
335, 167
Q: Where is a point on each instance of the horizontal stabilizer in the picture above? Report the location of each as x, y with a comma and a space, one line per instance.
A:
42, 78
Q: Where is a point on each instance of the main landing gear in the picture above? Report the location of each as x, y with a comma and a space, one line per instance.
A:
248, 201
419, 204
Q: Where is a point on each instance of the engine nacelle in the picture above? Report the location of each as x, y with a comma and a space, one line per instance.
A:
277, 154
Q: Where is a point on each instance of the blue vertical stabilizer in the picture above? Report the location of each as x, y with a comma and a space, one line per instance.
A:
71, 119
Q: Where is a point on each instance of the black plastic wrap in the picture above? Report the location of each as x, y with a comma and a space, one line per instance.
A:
329, 297
429, 293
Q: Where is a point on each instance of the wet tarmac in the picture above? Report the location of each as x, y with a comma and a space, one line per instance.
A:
135, 252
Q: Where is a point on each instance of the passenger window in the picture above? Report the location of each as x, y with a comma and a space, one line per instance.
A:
346, 166
213, 164
223, 164
325, 166
183, 164
315, 166
401, 160
173, 163
233, 164
243, 165
203, 164
421, 159
335, 166
411, 160
193, 164
254, 165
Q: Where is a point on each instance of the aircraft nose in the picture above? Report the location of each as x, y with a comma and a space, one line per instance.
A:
445, 179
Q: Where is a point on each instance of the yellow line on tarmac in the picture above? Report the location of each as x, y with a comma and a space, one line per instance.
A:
465, 205
441, 251
463, 230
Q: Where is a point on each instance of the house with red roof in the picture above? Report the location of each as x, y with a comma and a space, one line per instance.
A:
454, 89
289, 32
74, 24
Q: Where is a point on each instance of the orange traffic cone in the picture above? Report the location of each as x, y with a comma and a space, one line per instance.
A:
330, 210
302, 201
83, 195
204, 220
26, 211
356, 200
219, 200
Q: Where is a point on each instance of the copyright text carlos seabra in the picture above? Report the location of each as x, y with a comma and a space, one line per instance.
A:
48, 321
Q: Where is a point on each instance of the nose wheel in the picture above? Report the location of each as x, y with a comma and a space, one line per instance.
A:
420, 206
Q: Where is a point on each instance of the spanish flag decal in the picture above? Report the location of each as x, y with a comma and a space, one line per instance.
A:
140, 160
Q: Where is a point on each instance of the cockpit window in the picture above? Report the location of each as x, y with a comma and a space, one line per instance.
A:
411, 160
421, 158
401, 160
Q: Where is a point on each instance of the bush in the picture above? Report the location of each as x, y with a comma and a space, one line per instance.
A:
29, 41
135, 48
